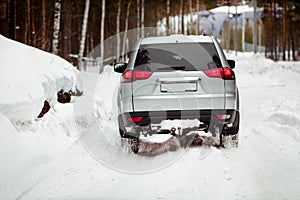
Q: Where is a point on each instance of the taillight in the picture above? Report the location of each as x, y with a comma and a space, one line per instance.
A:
216, 72
135, 119
127, 76
228, 73
225, 73
133, 75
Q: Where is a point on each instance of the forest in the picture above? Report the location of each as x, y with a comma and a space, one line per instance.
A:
72, 29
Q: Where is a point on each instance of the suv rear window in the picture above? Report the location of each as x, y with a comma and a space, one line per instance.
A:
177, 56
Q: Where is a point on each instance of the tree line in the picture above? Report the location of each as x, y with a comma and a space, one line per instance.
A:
67, 27
282, 29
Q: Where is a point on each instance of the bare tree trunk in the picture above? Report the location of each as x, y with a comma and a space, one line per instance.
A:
44, 23
236, 31
167, 17
32, 31
83, 34
158, 16
5, 20
142, 19
178, 10
102, 37
274, 33
66, 30
125, 32
138, 19
27, 25
268, 34
254, 28
182, 17
118, 32
289, 40
173, 25
272, 36
293, 44
190, 18
197, 23
227, 31
56, 26
12, 19
259, 35
243, 32
284, 30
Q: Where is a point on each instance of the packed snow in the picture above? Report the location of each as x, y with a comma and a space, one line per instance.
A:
73, 152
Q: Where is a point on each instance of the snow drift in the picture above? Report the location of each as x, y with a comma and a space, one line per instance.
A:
28, 77
28, 145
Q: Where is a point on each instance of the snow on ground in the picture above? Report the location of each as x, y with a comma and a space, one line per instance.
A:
58, 160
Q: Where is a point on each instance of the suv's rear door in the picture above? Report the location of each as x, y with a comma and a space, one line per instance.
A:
177, 76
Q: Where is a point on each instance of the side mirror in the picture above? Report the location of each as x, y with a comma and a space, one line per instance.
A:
120, 67
231, 63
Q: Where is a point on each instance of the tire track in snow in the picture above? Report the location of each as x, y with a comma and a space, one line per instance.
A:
286, 120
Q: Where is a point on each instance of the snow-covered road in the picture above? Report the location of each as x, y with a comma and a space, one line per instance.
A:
265, 166
55, 159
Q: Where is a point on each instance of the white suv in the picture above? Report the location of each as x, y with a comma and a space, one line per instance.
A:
177, 77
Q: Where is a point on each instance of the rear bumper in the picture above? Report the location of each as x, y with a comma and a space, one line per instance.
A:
155, 117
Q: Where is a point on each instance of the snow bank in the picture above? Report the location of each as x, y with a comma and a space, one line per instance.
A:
28, 156
28, 77
28, 145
